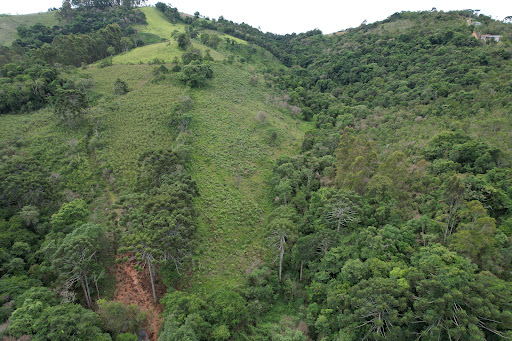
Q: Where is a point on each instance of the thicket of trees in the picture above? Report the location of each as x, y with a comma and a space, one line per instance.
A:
29, 68
370, 241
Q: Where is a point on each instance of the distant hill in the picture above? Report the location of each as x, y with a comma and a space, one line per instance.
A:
10, 23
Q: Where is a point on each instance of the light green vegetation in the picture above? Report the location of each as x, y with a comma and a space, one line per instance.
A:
232, 164
232, 152
165, 51
158, 24
10, 23
395, 26
140, 124
231, 159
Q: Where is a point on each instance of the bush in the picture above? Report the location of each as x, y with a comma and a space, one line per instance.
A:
195, 74
127, 337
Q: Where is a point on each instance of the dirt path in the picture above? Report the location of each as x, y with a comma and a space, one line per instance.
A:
134, 287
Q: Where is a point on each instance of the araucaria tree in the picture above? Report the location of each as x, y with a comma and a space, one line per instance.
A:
341, 213
282, 229
159, 220
79, 259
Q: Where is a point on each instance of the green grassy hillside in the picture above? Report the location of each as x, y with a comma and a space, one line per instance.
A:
232, 152
10, 23
232, 156
232, 162
158, 24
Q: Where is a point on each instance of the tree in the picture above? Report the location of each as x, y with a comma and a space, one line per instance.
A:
127, 43
356, 161
174, 331
79, 258
70, 106
68, 322
180, 113
183, 41
117, 318
282, 228
159, 219
69, 216
66, 12
30, 215
145, 248
196, 74
453, 199
451, 302
120, 88
378, 308
22, 319
341, 213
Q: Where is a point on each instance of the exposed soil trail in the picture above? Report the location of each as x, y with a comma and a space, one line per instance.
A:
134, 287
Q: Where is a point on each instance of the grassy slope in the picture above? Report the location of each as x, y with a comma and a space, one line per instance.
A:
140, 124
231, 160
158, 24
232, 155
9, 24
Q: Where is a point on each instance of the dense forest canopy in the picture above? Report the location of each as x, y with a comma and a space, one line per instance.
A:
253, 186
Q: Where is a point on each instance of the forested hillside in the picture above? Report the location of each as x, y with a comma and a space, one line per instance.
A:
176, 177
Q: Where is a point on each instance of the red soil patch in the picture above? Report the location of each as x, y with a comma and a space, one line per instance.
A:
134, 287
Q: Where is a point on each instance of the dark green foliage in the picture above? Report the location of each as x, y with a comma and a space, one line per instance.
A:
169, 11
68, 321
26, 87
23, 182
80, 259
69, 106
118, 318
70, 216
183, 41
466, 154
191, 318
196, 74
162, 205
190, 55
211, 40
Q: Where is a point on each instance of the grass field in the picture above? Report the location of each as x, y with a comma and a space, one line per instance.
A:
10, 23
139, 124
165, 51
158, 24
232, 163
232, 156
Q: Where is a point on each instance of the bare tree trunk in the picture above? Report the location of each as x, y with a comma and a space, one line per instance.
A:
281, 255
96, 285
152, 280
85, 292
300, 276
88, 289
